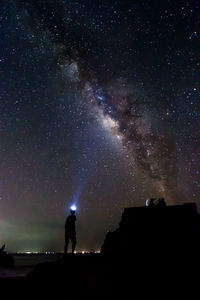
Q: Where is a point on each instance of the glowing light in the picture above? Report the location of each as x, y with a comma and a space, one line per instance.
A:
147, 202
118, 137
73, 207
109, 123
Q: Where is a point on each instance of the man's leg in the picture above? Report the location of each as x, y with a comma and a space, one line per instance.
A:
73, 243
66, 244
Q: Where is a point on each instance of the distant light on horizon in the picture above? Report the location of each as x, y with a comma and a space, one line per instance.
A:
52, 252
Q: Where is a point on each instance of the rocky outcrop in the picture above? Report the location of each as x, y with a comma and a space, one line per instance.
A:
154, 231
6, 260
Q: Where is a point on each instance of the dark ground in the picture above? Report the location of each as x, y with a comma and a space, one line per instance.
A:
99, 277
154, 253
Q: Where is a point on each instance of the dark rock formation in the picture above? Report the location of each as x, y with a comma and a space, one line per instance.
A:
155, 231
6, 260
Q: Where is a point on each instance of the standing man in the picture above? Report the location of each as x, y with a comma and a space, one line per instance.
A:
70, 229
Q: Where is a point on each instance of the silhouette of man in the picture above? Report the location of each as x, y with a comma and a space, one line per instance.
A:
161, 202
70, 231
152, 202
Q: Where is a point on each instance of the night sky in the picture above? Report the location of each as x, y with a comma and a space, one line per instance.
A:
99, 106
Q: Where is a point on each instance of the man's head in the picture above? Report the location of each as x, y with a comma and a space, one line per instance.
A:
73, 209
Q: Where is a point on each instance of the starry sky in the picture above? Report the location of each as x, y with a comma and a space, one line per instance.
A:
99, 106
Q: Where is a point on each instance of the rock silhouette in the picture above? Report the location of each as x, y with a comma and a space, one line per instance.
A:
155, 230
6, 260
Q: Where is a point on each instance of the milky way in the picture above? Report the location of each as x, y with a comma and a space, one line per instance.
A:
128, 117
99, 105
